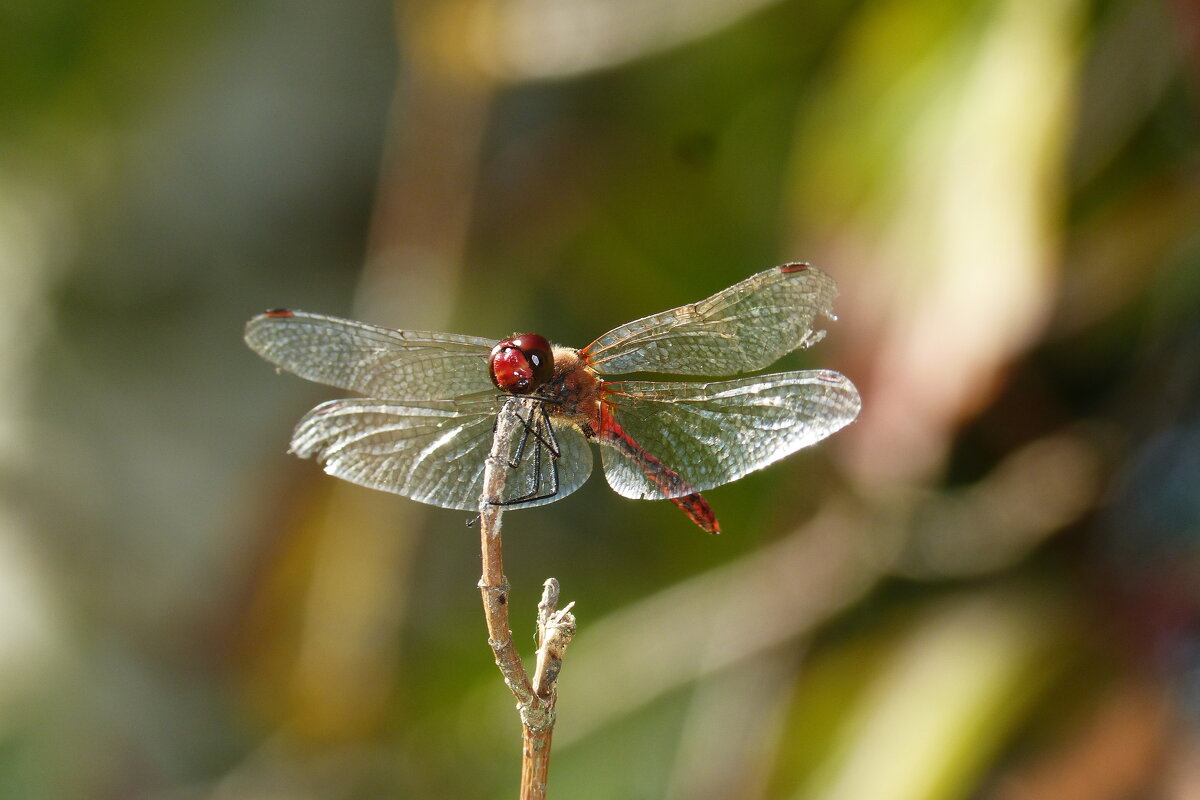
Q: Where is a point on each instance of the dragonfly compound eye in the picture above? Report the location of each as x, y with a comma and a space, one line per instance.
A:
522, 364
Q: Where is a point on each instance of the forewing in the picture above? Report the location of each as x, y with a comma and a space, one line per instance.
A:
432, 452
714, 433
744, 328
377, 362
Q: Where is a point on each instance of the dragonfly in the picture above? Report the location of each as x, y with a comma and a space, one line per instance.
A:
423, 427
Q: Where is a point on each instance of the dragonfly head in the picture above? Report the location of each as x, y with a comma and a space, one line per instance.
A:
521, 364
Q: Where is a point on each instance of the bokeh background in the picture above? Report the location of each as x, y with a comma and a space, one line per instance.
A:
987, 587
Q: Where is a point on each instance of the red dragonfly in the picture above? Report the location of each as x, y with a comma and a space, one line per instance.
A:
425, 427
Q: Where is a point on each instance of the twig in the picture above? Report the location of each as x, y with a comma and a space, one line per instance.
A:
535, 701
555, 631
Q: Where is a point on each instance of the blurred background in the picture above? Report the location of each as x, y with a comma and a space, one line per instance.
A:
987, 587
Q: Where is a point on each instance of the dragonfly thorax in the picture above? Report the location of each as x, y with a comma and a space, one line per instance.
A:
573, 393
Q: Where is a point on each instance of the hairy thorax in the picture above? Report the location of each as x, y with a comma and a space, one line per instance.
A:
573, 392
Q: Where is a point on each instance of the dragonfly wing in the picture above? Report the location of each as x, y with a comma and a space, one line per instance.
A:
744, 328
712, 433
431, 452
378, 362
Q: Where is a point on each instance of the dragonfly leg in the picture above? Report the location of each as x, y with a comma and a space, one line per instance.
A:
526, 427
544, 432
538, 428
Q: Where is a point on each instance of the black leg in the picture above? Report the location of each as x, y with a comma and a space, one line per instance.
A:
538, 427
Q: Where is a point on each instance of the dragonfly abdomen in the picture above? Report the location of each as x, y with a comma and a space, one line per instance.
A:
670, 483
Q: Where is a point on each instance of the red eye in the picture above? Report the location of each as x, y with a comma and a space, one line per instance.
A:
522, 364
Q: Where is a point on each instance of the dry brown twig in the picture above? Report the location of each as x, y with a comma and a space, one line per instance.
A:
536, 699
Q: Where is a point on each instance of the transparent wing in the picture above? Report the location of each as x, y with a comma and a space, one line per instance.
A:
434, 452
712, 433
744, 328
378, 362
